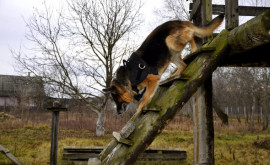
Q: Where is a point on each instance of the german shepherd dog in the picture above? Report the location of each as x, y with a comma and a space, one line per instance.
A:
146, 65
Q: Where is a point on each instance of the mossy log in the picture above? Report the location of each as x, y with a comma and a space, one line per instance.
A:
171, 99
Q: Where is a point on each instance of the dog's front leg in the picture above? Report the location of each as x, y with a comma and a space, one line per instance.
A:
151, 85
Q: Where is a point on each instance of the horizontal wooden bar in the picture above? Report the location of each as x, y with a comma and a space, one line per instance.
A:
84, 153
243, 10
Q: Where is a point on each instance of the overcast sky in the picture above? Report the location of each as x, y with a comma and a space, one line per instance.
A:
12, 26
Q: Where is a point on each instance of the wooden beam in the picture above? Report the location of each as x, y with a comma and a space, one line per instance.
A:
253, 33
243, 10
203, 128
206, 12
231, 14
80, 155
255, 57
195, 10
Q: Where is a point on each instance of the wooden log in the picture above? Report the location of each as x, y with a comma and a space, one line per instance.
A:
253, 33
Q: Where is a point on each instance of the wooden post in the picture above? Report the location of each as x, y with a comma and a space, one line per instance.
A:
231, 14
202, 16
203, 125
202, 105
56, 108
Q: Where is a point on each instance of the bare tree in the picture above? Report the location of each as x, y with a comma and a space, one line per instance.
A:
78, 47
174, 9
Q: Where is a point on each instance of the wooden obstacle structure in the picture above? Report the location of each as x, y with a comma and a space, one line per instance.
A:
81, 155
234, 46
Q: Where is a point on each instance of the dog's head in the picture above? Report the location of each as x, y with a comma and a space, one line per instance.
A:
120, 89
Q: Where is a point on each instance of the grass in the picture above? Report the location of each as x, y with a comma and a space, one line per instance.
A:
234, 144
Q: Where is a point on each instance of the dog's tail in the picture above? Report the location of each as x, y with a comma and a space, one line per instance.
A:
209, 28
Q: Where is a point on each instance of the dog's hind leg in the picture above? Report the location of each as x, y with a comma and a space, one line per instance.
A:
179, 62
193, 45
151, 85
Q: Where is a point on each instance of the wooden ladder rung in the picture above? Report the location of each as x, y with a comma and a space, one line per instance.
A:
151, 109
169, 81
192, 56
119, 138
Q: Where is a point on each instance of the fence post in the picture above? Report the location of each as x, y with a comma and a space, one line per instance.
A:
56, 108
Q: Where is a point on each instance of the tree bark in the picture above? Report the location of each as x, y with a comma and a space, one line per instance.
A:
265, 117
100, 129
253, 109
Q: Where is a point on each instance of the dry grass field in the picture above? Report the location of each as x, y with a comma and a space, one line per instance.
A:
29, 138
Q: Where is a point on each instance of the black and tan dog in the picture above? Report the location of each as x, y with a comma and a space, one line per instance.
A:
145, 66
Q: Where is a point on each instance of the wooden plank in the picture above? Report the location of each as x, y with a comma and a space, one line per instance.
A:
169, 81
243, 10
7, 153
74, 153
201, 50
119, 138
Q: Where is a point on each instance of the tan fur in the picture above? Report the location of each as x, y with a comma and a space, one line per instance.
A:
177, 41
124, 93
151, 83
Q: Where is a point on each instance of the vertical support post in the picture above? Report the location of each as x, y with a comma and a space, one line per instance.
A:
54, 137
206, 11
231, 14
56, 108
203, 125
202, 103
203, 17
